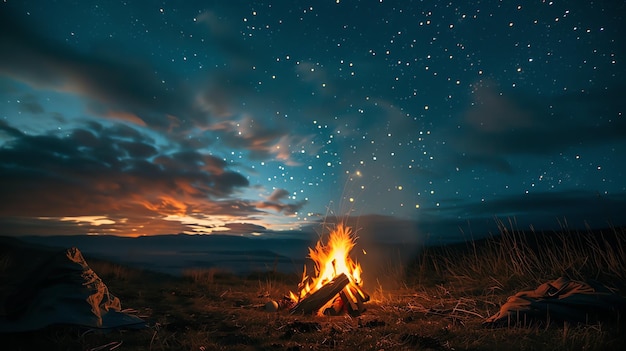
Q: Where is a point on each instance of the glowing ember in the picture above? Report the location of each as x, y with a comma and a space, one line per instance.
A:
331, 260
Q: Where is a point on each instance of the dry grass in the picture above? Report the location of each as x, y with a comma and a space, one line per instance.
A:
443, 298
515, 258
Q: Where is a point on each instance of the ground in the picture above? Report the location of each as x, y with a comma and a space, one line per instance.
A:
439, 302
225, 312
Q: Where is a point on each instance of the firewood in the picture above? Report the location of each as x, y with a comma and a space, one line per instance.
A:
336, 308
364, 296
315, 301
348, 301
354, 300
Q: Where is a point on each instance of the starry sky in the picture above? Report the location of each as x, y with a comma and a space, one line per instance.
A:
257, 117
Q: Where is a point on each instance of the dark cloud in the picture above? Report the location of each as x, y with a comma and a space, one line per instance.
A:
275, 202
9, 130
287, 209
190, 160
576, 203
102, 170
576, 209
244, 228
278, 194
115, 86
136, 149
501, 124
17, 226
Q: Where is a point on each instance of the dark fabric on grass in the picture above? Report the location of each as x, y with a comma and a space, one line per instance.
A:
63, 289
561, 300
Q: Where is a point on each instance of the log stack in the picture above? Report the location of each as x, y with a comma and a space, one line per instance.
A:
346, 297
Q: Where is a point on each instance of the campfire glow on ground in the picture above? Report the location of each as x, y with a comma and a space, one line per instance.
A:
331, 259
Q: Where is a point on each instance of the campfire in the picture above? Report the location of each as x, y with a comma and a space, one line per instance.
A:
335, 286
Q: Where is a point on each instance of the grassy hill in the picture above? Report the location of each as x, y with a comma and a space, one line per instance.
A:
437, 302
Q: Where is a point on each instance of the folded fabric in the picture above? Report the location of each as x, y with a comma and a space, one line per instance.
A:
63, 289
561, 300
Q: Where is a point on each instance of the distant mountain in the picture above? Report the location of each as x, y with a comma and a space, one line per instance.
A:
177, 252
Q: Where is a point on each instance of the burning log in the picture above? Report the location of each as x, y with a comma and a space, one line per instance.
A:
351, 300
315, 301
356, 298
348, 303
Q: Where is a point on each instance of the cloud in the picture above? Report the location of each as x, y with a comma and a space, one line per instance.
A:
118, 174
117, 89
575, 203
143, 163
244, 228
100, 170
547, 210
261, 141
287, 209
275, 202
500, 124
277, 195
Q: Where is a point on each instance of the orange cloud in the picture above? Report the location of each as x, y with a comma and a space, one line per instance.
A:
126, 116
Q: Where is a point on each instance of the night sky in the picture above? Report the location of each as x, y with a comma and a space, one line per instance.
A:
246, 117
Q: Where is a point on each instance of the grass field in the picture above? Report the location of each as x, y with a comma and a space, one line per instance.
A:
438, 301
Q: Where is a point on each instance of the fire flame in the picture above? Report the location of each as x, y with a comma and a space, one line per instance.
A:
330, 260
